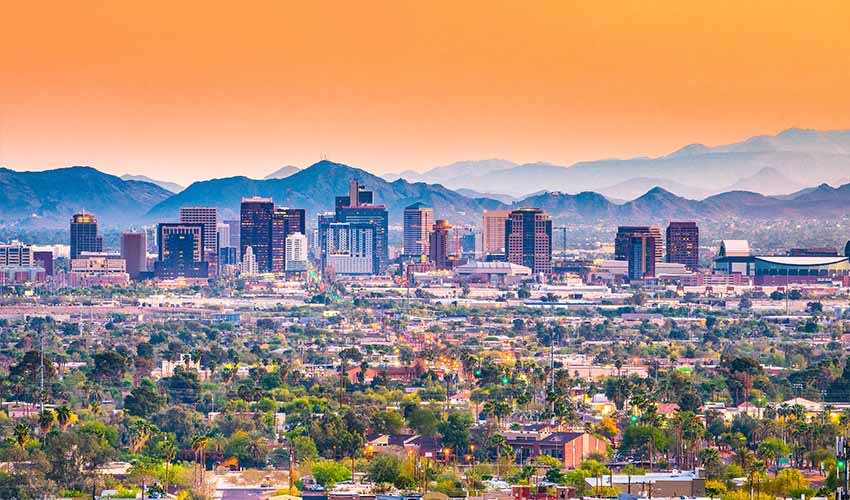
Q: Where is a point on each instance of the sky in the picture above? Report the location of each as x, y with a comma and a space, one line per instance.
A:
192, 90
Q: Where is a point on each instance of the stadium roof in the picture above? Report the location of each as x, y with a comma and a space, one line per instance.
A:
801, 261
734, 248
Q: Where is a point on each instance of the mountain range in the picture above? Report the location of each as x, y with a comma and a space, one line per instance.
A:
167, 185
803, 157
48, 198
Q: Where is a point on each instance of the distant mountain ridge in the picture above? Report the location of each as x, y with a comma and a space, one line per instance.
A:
283, 172
167, 185
816, 156
314, 189
49, 198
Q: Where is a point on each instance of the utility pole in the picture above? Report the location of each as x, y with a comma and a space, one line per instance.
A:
41, 393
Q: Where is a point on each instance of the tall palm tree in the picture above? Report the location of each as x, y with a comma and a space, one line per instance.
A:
169, 452
64, 416
199, 445
46, 420
95, 407
140, 433
21, 432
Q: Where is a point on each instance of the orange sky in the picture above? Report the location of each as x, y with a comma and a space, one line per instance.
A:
187, 90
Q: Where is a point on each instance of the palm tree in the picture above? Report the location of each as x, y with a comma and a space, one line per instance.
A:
199, 446
46, 421
169, 451
21, 434
140, 434
64, 416
95, 407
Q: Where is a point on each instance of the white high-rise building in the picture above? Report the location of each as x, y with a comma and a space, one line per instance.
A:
296, 252
249, 262
350, 249
223, 231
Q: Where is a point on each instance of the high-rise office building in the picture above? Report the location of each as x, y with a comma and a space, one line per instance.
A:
181, 251
234, 234
622, 242
440, 248
84, 236
363, 211
16, 254
683, 244
296, 252
255, 230
323, 223
642, 255
418, 219
249, 262
285, 221
493, 231
528, 239
350, 248
134, 253
208, 217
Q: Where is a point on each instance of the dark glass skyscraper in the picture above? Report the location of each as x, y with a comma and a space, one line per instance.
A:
255, 230
683, 244
285, 221
84, 237
528, 239
439, 245
642, 255
622, 242
418, 222
181, 251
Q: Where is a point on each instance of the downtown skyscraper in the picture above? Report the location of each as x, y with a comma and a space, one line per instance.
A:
418, 219
255, 230
683, 244
84, 235
528, 239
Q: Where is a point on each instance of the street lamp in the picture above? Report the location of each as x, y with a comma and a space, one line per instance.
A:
446, 453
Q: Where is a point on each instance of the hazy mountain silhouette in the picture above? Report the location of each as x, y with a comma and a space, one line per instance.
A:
314, 189
809, 156
283, 172
167, 185
50, 197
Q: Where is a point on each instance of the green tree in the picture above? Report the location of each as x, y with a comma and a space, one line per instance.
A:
455, 432
144, 400
330, 472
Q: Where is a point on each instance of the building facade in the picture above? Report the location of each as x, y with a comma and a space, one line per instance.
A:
440, 253
683, 244
255, 230
181, 251
285, 222
16, 254
350, 249
622, 242
134, 252
358, 209
528, 239
642, 255
208, 218
84, 235
493, 231
418, 220
296, 252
